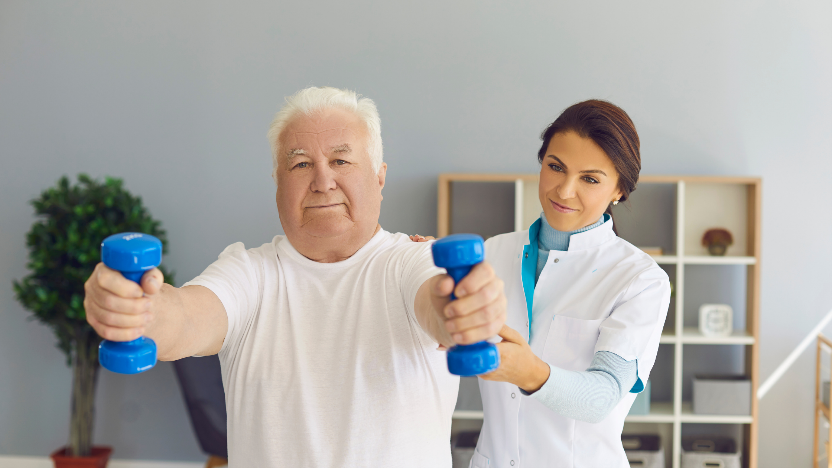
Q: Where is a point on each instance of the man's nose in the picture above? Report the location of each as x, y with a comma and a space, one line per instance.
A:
324, 179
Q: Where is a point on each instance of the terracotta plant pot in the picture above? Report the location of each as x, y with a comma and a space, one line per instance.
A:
97, 459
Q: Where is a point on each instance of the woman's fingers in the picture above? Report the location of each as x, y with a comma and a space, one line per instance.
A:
511, 335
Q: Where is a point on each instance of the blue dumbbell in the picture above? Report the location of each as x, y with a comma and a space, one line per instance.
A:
132, 254
457, 254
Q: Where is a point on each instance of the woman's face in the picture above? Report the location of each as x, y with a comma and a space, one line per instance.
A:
577, 182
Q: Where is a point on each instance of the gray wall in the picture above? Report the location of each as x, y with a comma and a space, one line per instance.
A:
175, 97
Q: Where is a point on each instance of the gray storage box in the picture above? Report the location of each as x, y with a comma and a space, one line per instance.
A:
710, 452
643, 451
462, 450
824, 393
722, 395
641, 406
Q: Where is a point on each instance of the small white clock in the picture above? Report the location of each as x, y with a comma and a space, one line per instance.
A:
716, 319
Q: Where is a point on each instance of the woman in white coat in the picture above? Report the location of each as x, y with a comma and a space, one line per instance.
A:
585, 308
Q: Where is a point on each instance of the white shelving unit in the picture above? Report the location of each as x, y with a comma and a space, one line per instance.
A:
700, 203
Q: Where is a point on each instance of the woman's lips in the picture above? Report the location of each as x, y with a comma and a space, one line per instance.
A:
560, 208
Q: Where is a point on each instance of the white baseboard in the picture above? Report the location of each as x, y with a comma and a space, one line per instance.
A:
46, 462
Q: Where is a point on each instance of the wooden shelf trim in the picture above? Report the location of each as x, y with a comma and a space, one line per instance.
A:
465, 414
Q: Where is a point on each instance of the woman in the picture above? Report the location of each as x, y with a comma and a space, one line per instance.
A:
585, 308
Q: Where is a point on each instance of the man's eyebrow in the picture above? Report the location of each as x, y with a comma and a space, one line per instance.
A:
295, 152
345, 148
591, 171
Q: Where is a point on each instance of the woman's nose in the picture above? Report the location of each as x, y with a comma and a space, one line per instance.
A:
566, 189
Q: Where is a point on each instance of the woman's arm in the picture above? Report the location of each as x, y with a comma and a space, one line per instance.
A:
586, 396
590, 395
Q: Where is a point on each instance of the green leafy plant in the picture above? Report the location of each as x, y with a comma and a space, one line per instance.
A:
64, 248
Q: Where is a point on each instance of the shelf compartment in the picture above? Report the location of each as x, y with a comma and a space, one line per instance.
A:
692, 335
689, 417
716, 205
660, 412
648, 218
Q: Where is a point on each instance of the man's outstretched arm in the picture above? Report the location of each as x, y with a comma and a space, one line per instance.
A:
183, 322
478, 313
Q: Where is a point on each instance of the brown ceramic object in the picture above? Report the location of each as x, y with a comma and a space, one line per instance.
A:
98, 458
717, 241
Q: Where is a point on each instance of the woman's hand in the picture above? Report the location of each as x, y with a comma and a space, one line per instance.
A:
418, 238
518, 364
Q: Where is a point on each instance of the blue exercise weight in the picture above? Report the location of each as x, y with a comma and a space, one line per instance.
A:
458, 253
132, 254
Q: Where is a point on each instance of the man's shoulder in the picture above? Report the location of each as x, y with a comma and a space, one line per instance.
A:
264, 251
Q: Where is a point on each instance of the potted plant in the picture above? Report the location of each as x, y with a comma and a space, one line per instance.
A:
717, 241
64, 247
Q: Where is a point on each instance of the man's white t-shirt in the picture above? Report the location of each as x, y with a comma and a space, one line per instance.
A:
324, 364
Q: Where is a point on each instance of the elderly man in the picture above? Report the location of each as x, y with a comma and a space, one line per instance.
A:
328, 336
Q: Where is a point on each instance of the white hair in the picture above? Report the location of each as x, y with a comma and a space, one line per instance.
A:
310, 100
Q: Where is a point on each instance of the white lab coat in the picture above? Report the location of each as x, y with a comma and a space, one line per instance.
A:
602, 294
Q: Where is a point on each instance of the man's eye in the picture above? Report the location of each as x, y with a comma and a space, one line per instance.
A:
340, 162
301, 165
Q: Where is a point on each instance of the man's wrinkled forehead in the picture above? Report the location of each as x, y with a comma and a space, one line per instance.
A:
324, 141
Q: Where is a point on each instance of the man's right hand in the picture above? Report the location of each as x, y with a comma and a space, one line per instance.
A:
117, 308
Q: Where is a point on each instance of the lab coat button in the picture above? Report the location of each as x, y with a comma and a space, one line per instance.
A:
513, 395
512, 463
557, 260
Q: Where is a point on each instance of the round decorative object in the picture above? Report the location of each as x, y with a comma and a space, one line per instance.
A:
717, 241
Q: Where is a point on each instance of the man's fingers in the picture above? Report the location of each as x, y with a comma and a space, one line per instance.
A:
114, 282
442, 286
113, 333
479, 276
152, 281
488, 294
482, 316
479, 333
108, 301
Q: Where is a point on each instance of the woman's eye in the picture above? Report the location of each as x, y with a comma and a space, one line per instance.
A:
591, 180
555, 167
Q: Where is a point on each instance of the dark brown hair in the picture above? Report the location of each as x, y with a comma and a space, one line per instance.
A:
610, 128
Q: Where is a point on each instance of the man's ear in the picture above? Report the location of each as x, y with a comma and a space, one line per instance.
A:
382, 175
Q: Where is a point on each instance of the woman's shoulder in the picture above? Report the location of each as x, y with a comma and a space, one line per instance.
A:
508, 240
634, 259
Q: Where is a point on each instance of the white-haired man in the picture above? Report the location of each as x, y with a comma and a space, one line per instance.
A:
328, 335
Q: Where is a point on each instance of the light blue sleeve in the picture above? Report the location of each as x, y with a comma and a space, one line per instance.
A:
590, 395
